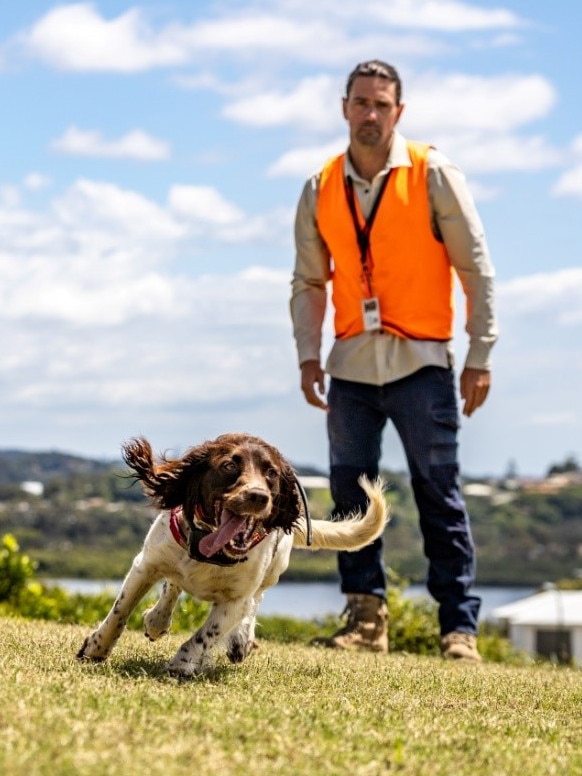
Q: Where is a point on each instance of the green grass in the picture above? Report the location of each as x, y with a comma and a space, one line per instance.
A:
289, 709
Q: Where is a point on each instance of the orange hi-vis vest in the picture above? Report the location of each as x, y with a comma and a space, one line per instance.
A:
410, 272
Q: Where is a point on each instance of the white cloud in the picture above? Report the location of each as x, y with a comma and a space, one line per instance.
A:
203, 203
202, 80
102, 255
260, 32
85, 302
144, 339
487, 153
443, 15
483, 193
35, 181
92, 260
76, 37
9, 196
458, 102
570, 182
504, 40
448, 16
206, 212
555, 294
268, 228
136, 144
314, 105
316, 35
302, 162
110, 209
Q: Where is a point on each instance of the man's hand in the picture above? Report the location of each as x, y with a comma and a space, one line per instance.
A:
475, 384
312, 378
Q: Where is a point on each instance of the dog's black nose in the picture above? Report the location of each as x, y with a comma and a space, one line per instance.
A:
257, 497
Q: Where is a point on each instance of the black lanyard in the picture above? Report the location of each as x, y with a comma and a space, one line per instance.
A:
363, 233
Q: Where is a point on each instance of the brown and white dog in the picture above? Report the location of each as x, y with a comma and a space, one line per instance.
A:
232, 512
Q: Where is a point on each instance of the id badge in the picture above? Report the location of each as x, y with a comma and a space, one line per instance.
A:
371, 313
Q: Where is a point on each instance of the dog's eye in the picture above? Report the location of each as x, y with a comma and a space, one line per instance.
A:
271, 473
228, 466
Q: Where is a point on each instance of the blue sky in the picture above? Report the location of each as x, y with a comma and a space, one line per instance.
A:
153, 155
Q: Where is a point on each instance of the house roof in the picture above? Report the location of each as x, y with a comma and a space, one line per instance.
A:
552, 607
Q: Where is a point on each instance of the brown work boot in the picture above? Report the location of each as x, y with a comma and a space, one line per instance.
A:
460, 646
366, 628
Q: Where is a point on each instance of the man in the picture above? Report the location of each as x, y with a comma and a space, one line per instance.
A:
389, 223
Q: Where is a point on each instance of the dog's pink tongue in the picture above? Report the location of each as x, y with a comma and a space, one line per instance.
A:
230, 525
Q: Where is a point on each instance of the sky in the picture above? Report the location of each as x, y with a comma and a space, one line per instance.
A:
152, 159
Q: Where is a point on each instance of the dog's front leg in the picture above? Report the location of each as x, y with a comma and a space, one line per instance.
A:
99, 644
194, 656
240, 642
158, 619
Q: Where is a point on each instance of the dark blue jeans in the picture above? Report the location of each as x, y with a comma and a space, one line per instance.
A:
423, 408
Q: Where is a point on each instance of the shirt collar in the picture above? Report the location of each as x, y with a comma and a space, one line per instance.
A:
398, 156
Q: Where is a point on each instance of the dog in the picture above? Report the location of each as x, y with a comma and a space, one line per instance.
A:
232, 510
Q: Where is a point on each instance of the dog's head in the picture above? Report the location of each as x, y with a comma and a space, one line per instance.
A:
236, 488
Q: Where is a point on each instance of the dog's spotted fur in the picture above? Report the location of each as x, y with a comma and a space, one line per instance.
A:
236, 479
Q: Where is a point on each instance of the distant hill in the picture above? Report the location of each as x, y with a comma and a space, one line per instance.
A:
19, 466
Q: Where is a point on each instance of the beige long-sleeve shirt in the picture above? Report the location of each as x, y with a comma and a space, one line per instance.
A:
378, 357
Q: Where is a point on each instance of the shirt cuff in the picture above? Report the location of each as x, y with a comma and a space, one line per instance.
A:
479, 355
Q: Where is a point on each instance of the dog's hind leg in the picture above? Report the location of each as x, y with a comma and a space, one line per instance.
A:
158, 619
99, 644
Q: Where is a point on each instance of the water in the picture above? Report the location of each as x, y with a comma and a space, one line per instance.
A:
311, 600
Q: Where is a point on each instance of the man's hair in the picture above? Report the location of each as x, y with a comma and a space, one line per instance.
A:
376, 67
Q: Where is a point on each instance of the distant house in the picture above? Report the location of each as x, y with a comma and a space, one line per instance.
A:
548, 624
314, 482
554, 483
32, 487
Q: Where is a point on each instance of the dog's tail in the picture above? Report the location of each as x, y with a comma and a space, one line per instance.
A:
353, 533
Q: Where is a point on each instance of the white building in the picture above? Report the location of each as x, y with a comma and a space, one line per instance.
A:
32, 487
547, 624
314, 482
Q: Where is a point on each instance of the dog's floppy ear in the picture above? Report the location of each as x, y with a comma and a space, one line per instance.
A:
166, 482
288, 504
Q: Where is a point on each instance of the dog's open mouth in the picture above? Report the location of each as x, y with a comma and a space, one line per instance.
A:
234, 535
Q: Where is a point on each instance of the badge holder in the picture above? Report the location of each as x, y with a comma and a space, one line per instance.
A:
371, 314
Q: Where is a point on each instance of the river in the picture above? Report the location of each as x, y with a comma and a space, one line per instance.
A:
311, 600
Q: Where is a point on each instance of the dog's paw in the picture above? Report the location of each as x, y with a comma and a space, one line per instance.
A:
92, 650
239, 649
155, 626
153, 634
182, 668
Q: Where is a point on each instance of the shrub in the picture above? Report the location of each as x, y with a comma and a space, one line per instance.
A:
413, 625
16, 569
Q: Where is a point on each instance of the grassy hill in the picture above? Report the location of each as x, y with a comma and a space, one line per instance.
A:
288, 709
